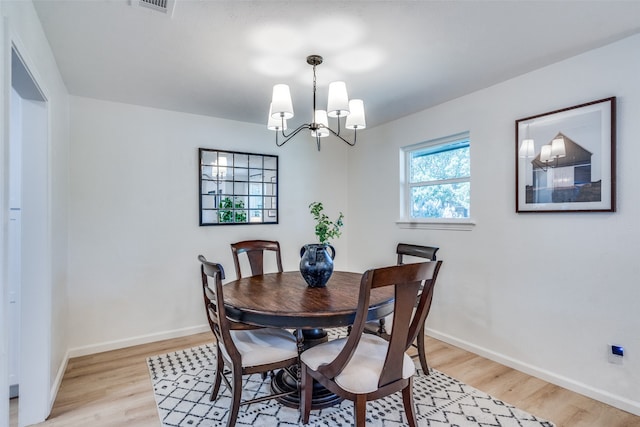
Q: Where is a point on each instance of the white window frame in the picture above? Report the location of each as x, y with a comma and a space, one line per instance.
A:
406, 221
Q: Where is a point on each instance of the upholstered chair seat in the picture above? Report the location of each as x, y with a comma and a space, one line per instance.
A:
263, 346
362, 373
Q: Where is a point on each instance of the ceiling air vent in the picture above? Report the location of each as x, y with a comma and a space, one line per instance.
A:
164, 6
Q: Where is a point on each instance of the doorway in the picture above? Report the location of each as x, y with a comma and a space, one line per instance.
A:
28, 243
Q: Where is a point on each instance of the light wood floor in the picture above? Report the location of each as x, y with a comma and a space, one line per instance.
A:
114, 388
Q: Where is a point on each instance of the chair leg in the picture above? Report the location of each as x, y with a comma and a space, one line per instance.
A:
218, 379
306, 391
236, 395
407, 401
360, 409
422, 353
381, 329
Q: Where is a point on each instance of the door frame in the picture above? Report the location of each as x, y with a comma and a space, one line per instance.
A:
36, 312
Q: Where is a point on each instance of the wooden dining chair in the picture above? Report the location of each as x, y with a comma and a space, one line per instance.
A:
382, 326
364, 367
243, 349
255, 253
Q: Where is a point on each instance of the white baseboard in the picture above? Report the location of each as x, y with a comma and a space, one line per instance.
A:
58, 381
578, 387
141, 339
115, 345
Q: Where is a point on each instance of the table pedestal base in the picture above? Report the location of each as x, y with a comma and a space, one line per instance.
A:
283, 381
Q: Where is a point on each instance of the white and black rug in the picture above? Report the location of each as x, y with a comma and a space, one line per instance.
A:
182, 384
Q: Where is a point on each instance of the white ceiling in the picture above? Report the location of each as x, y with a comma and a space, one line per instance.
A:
222, 58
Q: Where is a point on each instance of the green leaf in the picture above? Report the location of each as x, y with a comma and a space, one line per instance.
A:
325, 229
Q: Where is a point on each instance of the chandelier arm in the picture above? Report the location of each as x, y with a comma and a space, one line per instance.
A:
355, 135
542, 165
291, 135
295, 131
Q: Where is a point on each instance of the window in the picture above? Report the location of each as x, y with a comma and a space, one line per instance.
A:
437, 177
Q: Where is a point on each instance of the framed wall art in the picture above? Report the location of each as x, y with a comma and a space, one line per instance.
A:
565, 159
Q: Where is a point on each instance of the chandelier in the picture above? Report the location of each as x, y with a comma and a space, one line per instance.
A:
549, 153
338, 106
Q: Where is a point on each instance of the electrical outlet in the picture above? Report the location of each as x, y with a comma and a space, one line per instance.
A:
615, 353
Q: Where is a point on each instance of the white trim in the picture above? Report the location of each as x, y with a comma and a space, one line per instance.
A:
115, 345
55, 387
140, 339
438, 141
562, 381
5, 85
35, 334
438, 224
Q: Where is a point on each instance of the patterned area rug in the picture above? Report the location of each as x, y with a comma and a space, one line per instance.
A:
182, 384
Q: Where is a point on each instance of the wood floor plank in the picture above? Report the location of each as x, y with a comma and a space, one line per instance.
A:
554, 403
114, 388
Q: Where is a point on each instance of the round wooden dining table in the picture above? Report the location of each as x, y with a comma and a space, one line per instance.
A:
284, 300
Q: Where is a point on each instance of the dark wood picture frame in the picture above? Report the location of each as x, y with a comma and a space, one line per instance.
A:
566, 159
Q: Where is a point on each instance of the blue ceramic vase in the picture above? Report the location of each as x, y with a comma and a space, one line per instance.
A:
316, 264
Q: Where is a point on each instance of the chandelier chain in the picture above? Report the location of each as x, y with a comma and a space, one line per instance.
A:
314, 99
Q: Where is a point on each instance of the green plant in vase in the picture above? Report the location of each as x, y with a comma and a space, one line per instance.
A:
325, 228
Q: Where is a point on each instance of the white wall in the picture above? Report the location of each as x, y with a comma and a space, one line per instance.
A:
545, 293
133, 216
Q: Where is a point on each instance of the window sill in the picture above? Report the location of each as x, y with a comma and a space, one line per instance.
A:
438, 224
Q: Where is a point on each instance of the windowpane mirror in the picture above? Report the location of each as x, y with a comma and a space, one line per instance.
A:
238, 188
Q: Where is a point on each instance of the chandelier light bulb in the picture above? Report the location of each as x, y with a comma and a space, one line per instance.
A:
320, 118
281, 102
526, 149
275, 123
356, 120
545, 153
558, 148
338, 103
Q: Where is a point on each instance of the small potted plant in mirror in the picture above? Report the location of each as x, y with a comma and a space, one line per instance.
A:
232, 211
316, 263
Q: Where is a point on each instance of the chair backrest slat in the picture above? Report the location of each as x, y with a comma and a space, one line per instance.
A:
405, 296
212, 276
427, 252
418, 251
255, 254
408, 280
